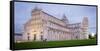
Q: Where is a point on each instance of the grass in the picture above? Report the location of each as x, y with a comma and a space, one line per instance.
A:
48, 44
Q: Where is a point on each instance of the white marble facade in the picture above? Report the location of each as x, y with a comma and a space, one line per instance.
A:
43, 26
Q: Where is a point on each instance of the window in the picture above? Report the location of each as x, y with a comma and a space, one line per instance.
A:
34, 31
41, 32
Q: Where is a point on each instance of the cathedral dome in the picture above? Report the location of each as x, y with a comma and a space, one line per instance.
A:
65, 19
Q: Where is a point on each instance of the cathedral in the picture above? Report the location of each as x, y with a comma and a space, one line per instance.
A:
43, 26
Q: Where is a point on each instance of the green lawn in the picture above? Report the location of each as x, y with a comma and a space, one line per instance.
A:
48, 44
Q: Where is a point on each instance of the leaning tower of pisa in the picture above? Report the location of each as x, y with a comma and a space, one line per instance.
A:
85, 27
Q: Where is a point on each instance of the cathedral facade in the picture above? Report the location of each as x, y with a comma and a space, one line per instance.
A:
43, 26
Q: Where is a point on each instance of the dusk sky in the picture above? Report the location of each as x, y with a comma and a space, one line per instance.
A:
74, 13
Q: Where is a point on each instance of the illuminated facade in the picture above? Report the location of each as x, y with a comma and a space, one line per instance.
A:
43, 26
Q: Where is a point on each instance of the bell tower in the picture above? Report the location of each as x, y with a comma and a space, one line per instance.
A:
85, 27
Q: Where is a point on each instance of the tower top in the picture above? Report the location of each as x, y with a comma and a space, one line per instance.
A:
36, 9
85, 21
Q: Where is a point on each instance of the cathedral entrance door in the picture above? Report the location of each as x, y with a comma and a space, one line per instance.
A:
34, 36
